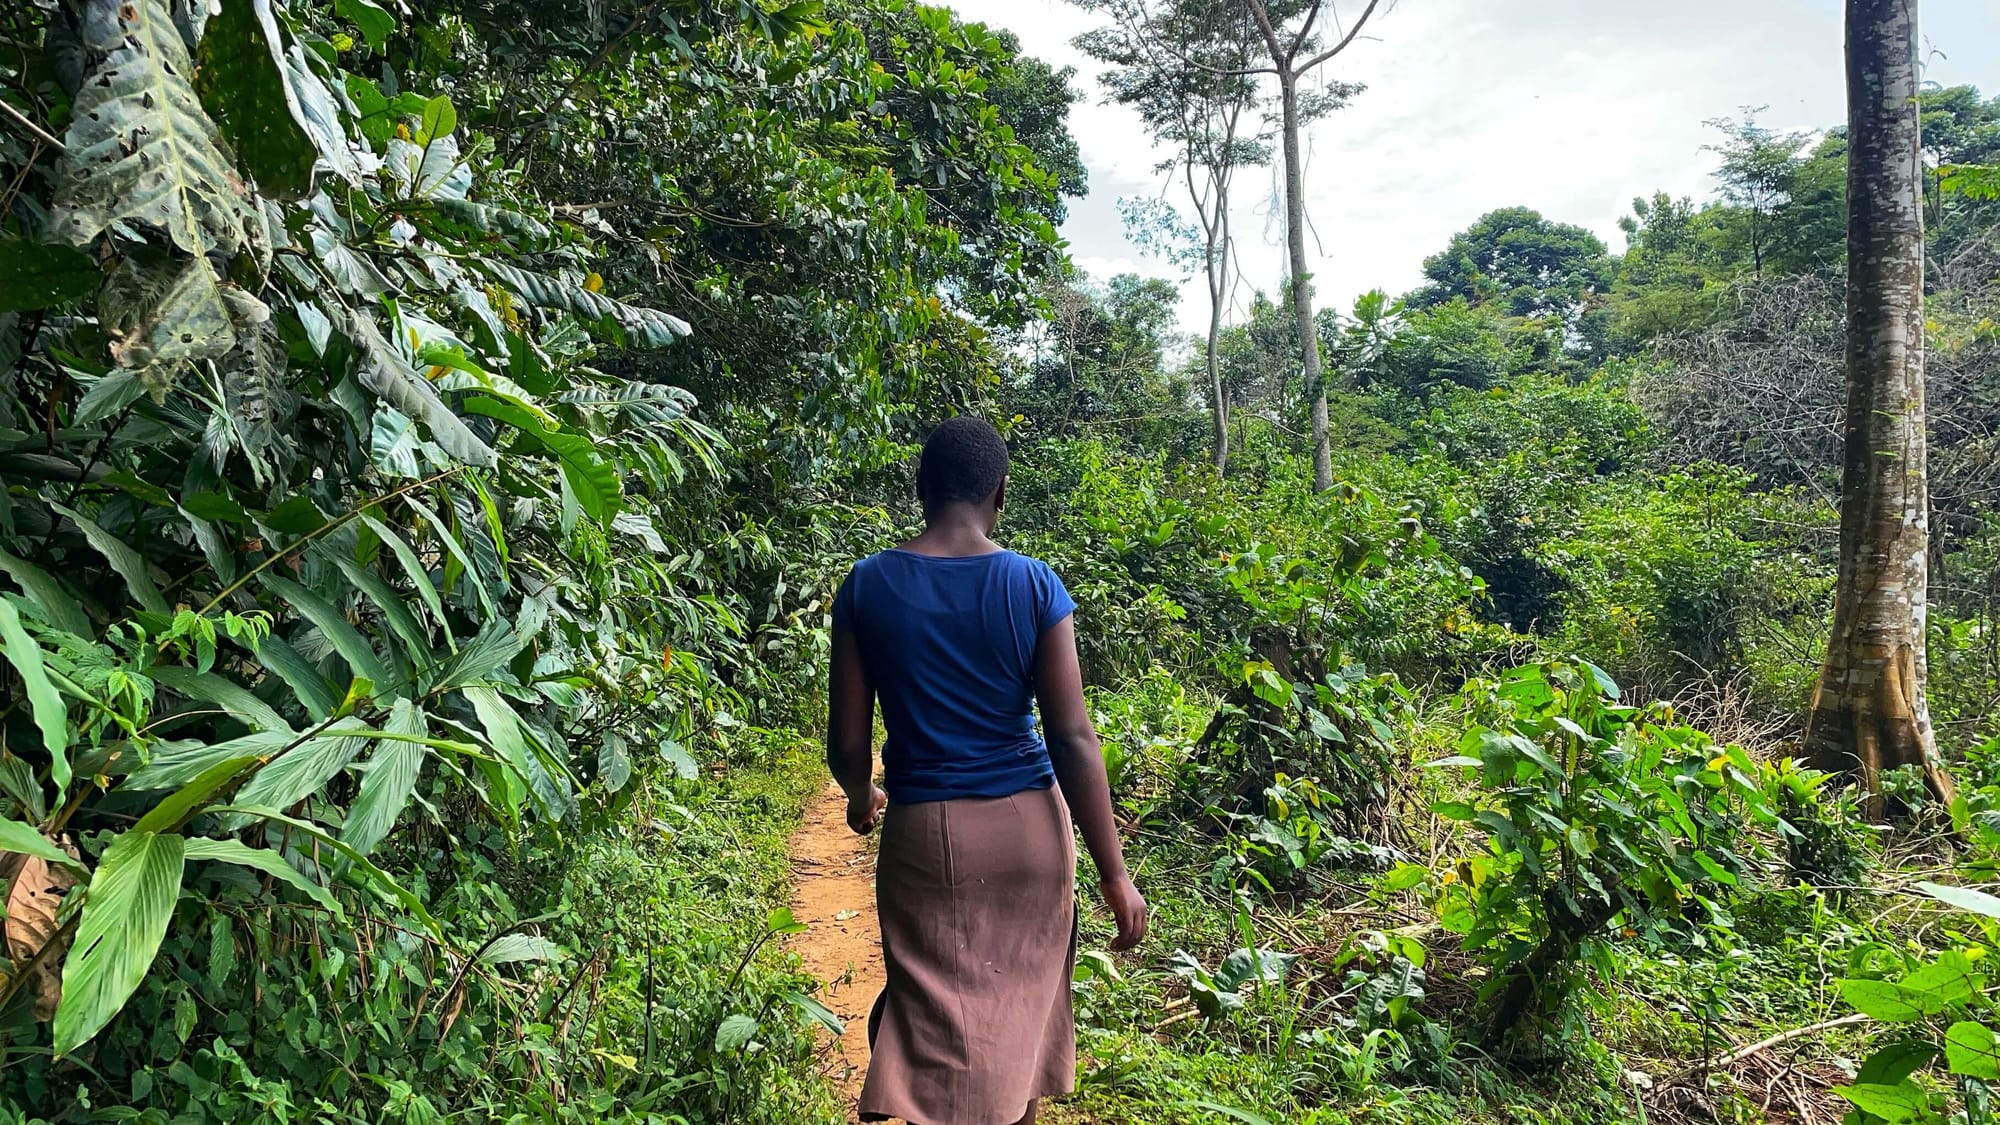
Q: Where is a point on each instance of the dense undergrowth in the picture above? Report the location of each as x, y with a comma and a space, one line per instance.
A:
431, 434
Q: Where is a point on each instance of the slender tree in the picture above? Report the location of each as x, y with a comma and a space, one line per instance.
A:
1758, 165
1869, 711
1291, 30
1185, 67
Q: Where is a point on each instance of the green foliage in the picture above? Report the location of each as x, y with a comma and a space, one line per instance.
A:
367, 550
1596, 815
1941, 1009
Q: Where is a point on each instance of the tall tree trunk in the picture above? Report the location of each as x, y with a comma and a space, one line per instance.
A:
1869, 712
1302, 302
1218, 400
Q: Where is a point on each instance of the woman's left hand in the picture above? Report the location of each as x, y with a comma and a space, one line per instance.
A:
863, 814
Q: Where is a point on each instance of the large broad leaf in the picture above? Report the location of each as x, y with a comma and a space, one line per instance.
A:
125, 916
50, 714
370, 18
510, 948
432, 172
395, 610
36, 275
734, 1033
312, 688
592, 478
413, 567
307, 98
1972, 1049
140, 148
267, 861
389, 782
59, 607
18, 837
161, 312
354, 648
300, 772
1935, 988
129, 564
1964, 898
226, 694
204, 789
1903, 1101
640, 327
173, 767
244, 91
510, 742
384, 371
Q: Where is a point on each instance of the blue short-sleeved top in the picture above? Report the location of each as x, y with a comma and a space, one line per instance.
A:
949, 647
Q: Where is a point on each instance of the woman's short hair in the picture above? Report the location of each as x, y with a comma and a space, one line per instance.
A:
965, 460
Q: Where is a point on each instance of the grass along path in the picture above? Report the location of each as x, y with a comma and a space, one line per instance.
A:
833, 893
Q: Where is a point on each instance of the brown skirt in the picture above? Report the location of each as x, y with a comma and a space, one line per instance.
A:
977, 899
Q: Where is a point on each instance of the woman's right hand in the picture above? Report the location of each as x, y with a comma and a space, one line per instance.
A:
863, 814
1128, 908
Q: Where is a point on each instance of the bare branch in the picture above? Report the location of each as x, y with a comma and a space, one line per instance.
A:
1345, 40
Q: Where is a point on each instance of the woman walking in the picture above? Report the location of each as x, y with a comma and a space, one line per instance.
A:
959, 639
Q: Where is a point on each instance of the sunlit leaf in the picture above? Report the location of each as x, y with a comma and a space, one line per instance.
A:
125, 914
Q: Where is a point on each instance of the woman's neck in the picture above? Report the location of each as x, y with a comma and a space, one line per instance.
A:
953, 533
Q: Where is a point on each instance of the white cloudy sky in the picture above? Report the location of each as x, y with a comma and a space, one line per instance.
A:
1572, 107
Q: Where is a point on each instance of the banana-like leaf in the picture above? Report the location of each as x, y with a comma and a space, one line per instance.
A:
300, 772
509, 738
307, 98
140, 148
306, 682
413, 567
384, 371
50, 713
267, 861
125, 915
592, 478
394, 609
59, 607
129, 564
177, 766
640, 327
226, 694
389, 782
479, 659
18, 837
457, 552
244, 92
354, 648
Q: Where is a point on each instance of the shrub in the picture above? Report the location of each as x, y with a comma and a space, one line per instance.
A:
1597, 816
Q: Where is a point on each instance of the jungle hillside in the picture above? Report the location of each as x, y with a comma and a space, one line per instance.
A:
432, 433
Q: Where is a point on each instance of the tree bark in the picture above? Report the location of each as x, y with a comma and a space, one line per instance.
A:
1218, 400
1302, 302
1869, 711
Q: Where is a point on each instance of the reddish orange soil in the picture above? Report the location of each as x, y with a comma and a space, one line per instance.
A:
833, 893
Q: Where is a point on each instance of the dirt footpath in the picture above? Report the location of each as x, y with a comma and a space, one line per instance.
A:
833, 893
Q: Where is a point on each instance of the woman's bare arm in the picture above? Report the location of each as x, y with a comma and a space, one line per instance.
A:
1079, 765
850, 732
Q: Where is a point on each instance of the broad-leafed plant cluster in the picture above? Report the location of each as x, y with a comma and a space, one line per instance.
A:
374, 578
